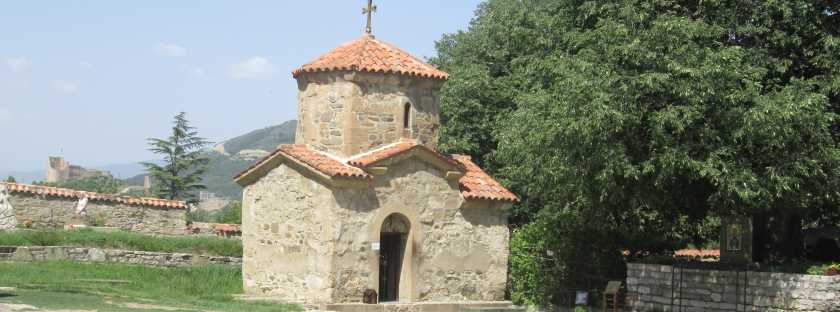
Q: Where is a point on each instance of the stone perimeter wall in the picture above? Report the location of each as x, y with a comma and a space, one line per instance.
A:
58, 212
649, 288
84, 254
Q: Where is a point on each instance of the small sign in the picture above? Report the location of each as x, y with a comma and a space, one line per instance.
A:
581, 297
374, 246
733, 240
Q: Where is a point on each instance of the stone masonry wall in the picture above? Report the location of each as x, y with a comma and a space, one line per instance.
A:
649, 288
458, 249
346, 113
84, 254
306, 242
53, 211
286, 236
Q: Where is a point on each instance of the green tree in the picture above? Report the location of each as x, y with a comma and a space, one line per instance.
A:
97, 184
230, 214
11, 179
632, 124
183, 162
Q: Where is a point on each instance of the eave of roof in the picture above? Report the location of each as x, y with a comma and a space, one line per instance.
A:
478, 185
73, 194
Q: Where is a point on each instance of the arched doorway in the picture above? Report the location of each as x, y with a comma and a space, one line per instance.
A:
392, 238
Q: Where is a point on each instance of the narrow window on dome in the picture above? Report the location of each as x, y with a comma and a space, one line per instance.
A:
407, 116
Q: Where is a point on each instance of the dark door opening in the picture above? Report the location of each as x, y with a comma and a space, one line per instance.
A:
392, 248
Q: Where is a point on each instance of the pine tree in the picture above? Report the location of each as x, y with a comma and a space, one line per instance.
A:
11, 179
179, 177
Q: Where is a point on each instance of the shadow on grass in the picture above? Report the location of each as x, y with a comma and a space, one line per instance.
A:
6, 295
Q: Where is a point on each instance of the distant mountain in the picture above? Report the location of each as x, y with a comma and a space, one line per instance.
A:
232, 156
265, 139
122, 171
117, 170
226, 160
23, 176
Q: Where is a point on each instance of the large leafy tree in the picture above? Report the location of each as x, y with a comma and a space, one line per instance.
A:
184, 162
629, 124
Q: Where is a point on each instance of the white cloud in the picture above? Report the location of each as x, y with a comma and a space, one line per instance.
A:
65, 86
85, 65
169, 49
252, 68
17, 64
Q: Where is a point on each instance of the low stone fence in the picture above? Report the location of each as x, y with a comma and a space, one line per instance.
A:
653, 287
85, 254
42, 206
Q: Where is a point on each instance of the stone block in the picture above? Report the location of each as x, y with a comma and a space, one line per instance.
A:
96, 255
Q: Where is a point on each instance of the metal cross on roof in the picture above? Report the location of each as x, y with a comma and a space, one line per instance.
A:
369, 10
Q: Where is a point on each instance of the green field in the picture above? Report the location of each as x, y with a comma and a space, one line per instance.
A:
113, 287
206, 245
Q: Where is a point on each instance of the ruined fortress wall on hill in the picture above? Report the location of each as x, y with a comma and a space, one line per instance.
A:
48, 211
60, 170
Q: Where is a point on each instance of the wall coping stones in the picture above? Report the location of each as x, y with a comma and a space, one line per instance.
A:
40, 190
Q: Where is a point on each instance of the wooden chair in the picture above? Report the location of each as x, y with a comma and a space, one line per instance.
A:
612, 297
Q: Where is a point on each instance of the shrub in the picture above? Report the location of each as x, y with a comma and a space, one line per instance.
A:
557, 251
230, 214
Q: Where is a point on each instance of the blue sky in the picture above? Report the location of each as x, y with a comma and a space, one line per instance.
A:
91, 80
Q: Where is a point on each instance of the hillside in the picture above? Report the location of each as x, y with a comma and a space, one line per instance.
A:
230, 157
265, 139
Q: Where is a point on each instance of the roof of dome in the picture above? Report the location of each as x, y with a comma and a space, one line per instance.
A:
367, 54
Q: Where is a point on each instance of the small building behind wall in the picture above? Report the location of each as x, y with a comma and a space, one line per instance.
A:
364, 201
44, 206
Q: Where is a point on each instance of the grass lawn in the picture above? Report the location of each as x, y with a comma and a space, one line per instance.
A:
206, 245
66, 285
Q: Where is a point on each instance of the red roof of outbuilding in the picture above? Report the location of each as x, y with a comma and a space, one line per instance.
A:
367, 54
73, 194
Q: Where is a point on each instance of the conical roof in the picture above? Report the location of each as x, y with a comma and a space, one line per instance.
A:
367, 54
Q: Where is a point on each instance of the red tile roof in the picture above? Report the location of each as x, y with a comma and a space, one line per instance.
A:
323, 162
477, 184
73, 194
396, 149
367, 54
317, 160
227, 228
698, 253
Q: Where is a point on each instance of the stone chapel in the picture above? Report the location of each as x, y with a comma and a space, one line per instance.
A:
364, 201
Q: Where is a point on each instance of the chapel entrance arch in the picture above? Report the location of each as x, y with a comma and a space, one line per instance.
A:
393, 237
